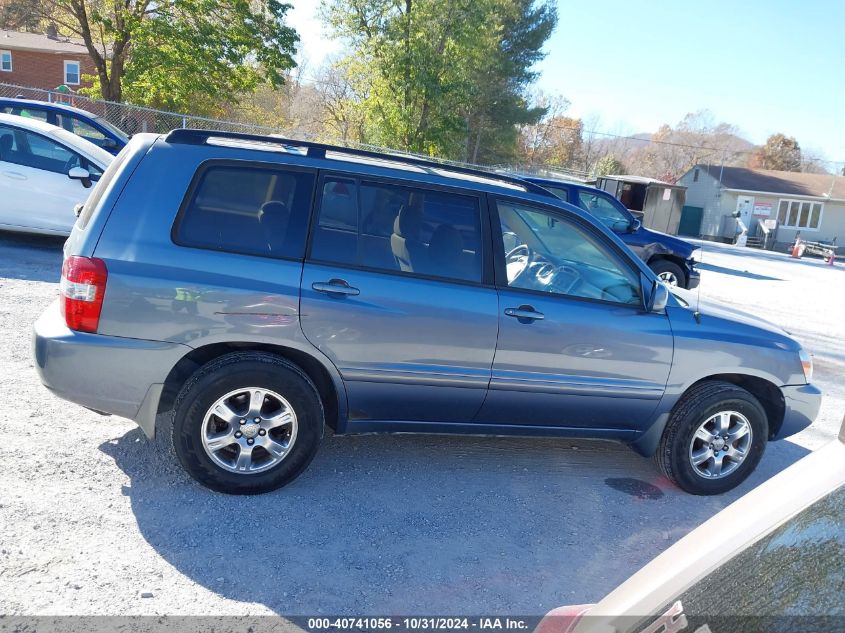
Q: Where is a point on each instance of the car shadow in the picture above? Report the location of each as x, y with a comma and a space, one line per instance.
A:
735, 272
414, 524
31, 257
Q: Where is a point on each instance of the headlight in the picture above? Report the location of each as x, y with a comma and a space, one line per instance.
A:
806, 364
696, 255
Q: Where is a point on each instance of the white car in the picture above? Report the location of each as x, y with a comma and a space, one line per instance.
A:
45, 171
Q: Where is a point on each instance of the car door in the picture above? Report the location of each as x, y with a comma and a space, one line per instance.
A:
575, 349
34, 184
397, 291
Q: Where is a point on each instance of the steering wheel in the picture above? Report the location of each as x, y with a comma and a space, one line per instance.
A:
517, 260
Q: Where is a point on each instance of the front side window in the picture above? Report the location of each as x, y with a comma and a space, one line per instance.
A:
72, 73
395, 228
252, 210
603, 208
548, 253
800, 214
6, 61
38, 152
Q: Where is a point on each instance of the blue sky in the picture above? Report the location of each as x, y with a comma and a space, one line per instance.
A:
764, 66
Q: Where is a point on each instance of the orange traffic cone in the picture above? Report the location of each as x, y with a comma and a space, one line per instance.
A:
831, 258
796, 250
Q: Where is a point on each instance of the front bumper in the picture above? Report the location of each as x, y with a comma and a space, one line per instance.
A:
802, 406
693, 276
109, 374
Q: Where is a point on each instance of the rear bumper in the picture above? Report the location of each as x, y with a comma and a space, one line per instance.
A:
802, 406
106, 373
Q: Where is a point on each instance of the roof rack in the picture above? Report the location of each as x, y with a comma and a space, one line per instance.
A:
318, 150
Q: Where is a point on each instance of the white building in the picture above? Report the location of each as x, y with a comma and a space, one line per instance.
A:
781, 202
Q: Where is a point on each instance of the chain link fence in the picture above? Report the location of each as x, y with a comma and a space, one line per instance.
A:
131, 118
134, 119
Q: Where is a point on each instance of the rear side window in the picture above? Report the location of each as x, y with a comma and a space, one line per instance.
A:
245, 209
395, 228
97, 194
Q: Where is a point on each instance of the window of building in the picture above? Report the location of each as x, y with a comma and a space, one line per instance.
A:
695, 176
72, 73
800, 214
396, 228
251, 210
6, 61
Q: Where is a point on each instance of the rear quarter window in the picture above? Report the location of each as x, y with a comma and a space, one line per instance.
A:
254, 210
97, 194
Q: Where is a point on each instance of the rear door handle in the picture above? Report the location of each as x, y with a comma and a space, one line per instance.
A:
524, 312
337, 287
14, 175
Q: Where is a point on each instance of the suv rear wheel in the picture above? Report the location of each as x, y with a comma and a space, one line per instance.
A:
714, 439
247, 423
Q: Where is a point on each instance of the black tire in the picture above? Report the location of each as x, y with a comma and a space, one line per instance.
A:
241, 370
665, 267
696, 406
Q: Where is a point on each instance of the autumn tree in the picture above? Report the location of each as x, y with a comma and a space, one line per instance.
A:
780, 152
609, 165
554, 140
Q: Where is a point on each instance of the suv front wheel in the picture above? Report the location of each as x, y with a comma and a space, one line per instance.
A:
714, 439
669, 273
247, 423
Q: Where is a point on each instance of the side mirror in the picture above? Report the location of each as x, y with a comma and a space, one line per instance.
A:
634, 226
658, 297
81, 174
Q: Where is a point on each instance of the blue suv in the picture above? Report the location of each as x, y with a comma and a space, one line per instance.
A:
671, 258
257, 290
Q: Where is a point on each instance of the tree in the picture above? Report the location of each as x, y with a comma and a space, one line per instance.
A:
499, 101
697, 138
554, 140
780, 152
609, 165
182, 54
438, 76
20, 15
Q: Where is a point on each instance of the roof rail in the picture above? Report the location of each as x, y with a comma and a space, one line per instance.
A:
318, 150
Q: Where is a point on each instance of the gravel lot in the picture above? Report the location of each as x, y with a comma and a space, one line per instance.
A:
94, 517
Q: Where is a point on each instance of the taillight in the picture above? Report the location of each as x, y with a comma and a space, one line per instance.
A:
82, 289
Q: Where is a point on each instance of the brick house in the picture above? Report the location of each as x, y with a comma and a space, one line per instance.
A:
43, 60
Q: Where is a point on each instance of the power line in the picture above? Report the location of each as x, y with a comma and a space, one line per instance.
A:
636, 139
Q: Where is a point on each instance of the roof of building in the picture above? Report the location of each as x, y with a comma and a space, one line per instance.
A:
643, 180
780, 182
41, 42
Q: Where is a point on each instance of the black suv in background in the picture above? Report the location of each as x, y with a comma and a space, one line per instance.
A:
671, 258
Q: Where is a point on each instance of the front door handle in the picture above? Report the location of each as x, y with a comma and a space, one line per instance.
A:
337, 287
524, 313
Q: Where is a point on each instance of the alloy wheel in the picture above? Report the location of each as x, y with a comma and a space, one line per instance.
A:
249, 430
720, 444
